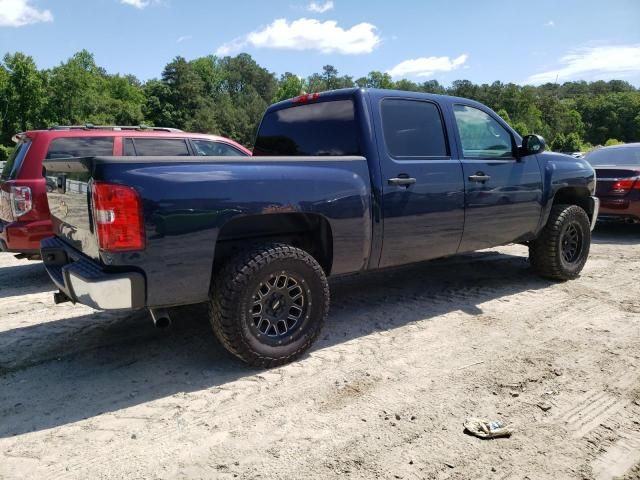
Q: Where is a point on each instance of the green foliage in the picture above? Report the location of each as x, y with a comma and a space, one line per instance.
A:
570, 142
23, 95
612, 141
290, 86
227, 96
5, 151
376, 80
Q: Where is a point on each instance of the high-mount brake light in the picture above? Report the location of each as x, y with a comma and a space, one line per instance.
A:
117, 212
21, 200
309, 97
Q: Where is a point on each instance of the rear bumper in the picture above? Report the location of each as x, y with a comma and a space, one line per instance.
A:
24, 237
617, 207
85, 281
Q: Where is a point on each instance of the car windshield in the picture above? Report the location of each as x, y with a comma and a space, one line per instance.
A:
14, 162
619, 156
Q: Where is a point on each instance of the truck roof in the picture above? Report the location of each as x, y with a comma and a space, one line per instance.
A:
372, 92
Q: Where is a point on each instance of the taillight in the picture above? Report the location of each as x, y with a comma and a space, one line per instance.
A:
117, 212
21, 200
625, 185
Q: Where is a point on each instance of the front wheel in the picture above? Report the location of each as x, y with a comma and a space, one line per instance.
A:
269, 303
561, 250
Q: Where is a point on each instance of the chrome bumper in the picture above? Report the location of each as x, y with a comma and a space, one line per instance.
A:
84, 281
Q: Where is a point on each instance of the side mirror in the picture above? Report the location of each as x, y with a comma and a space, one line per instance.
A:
532, 144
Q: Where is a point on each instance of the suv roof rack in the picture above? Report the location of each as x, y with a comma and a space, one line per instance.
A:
90, 126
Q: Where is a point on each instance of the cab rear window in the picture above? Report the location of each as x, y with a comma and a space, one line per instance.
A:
315, 129
14, 162
69, 147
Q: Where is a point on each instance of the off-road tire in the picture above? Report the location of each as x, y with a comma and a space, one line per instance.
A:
232, 298
546, 252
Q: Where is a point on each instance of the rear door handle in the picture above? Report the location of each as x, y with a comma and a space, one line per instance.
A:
479, 177
402, 180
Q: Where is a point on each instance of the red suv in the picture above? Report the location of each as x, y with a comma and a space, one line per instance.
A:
24, 212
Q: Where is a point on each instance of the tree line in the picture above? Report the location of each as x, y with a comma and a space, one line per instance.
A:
227, 96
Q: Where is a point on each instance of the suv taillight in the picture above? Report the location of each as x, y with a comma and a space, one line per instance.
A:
21, 200
117, 213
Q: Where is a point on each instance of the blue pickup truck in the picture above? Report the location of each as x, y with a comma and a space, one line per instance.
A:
340, 182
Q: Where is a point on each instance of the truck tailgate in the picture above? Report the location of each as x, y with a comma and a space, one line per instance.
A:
69, 203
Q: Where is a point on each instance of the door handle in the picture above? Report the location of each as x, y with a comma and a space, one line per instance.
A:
402, 180
479, 177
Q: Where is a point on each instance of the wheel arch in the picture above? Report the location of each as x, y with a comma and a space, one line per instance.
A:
579, 196
310, 232
570, 195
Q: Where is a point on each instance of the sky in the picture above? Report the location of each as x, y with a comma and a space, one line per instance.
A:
483, 40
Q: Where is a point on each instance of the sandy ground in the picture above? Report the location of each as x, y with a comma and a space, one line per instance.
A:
405, 357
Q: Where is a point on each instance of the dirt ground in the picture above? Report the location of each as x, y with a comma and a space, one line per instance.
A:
405, 357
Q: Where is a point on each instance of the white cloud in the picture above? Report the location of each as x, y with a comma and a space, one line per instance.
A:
320, 8
230, 47
184, 38
427, 66
17, 13
550, 23
604, 62
140, 4
308, 34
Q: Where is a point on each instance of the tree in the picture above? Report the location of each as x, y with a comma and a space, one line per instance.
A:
376, 79
23, 88
567, 143
229, 95
290, 86
433, 86
407, 85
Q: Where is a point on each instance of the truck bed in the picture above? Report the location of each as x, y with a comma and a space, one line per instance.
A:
189, 204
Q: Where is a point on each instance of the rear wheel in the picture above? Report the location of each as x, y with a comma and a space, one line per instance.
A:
561, 250
268, 304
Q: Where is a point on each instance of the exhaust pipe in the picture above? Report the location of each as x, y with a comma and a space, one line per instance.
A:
161, 318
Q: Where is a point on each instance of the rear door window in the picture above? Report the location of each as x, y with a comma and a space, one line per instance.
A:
69, 147
161, 147
14, 162
215, 149
413, 129
325, 128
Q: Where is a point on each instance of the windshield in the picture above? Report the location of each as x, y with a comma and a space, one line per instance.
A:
14, 162
619, 156
325, 128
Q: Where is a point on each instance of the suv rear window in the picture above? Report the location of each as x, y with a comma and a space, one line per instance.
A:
325, 128
14, 162
167, 147
69, 147
413, 129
